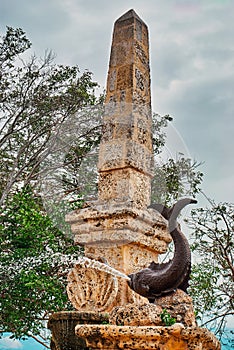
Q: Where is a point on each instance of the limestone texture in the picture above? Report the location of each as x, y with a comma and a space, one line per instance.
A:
125, 157
62, 326
175, 337
178, 305
127, 238
91, 289
94, 285
136, 315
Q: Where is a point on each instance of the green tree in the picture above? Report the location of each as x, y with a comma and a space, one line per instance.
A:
212, 283
36, 97
175, 179
35, 258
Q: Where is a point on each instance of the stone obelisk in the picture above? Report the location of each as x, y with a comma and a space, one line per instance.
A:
118, 226
126, 158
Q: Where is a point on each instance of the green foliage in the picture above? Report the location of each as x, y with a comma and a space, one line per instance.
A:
158, 131
212, 283
166, 318
13, 43
34, 260
36, 98
175, 179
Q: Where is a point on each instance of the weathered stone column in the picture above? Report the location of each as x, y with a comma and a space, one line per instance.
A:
118, 226
126, 158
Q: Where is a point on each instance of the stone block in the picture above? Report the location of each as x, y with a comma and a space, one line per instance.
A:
124, 77
122, 54
141, 56
128, 238
123, 33
124, 184
175, 337
126, 154
178, 304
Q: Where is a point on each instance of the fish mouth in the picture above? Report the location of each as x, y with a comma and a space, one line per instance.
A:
193, 201
130, 281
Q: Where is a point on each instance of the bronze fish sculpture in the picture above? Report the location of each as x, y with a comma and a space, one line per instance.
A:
161, 279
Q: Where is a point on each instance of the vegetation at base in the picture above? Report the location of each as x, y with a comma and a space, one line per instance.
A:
166, 318
35, 258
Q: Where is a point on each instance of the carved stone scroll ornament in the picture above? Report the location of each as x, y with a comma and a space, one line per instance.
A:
93, 285
161, 279
91, 288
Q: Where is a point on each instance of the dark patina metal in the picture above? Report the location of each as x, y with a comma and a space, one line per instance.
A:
161, 279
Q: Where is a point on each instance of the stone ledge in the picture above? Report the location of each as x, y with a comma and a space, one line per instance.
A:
78, 316
175, 337
117, 223
117, 238
104, 209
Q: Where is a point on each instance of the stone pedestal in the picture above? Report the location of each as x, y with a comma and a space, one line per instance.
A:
125, 237
142, 327
129, 238
175, 337
62, 326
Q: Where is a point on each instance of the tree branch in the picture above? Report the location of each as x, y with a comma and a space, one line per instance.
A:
39, 341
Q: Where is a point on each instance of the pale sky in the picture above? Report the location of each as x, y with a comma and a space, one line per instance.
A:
192, 64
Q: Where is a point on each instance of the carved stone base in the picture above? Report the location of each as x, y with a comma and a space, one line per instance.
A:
175, 337
62, 325
127, 237
140, 327
178, 305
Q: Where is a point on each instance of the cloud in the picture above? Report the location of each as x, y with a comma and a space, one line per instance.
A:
7, 343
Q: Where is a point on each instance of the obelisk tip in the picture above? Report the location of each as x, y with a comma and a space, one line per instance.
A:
131, 14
